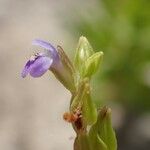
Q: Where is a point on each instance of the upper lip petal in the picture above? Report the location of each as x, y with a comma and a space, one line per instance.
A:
47, 46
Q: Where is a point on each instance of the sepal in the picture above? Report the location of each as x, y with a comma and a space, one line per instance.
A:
65, 71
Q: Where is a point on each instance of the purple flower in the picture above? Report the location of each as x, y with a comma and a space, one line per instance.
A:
39, 63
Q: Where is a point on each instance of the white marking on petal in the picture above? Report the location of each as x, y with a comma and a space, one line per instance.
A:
33, 57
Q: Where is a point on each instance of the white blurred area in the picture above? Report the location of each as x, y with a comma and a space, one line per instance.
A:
31, 109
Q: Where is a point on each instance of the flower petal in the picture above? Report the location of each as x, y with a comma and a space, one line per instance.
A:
46, 45
26, 69
40, 66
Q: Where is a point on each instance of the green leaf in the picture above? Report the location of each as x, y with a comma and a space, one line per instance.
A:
83, 100
82, 142
91, 64
77, 100
89, 110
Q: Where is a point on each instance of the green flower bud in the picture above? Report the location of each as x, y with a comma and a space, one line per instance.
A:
84, 51
91, 64
104, 129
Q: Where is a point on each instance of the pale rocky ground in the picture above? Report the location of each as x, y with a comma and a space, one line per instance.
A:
31, 109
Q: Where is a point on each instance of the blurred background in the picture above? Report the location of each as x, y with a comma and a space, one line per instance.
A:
31, 109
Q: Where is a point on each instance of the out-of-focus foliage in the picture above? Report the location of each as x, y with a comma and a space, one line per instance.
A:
121, 29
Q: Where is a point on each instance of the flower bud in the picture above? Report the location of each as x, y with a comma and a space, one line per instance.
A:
84, 51
103, 129
91, 64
